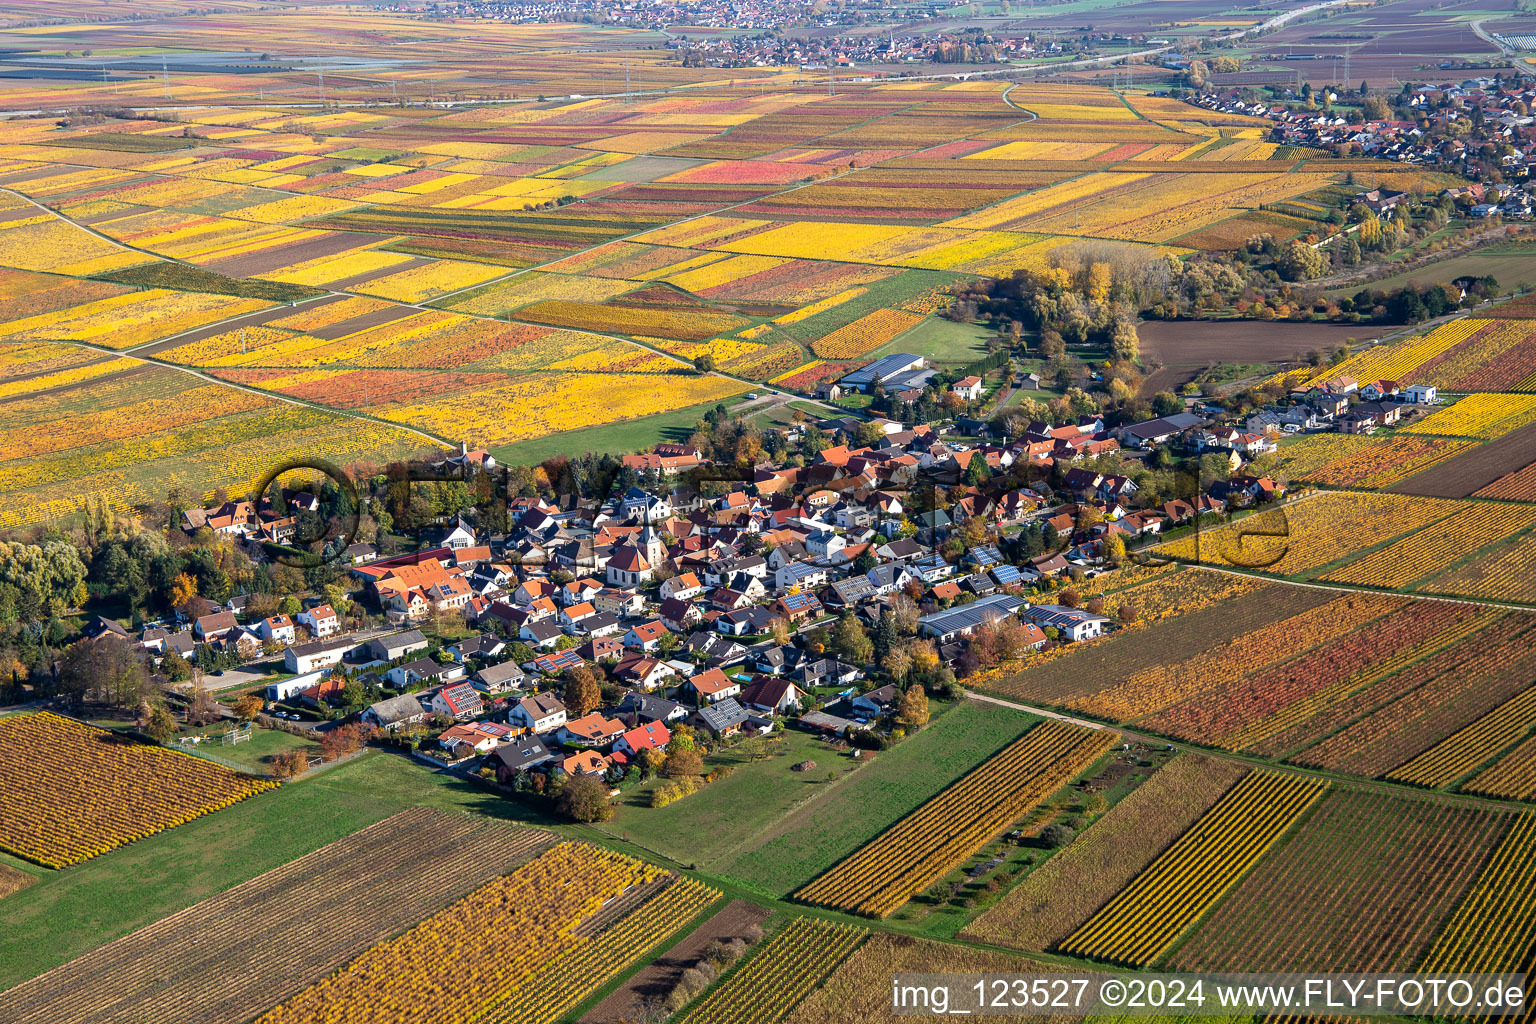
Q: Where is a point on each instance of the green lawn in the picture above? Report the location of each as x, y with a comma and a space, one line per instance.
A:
610, 438
71, 911
1511, 266
251, 755
709, 825
845, 815
940, 341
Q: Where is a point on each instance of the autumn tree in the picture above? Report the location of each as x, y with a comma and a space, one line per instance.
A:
651, 761
584, 798
160, 725
288, 764
248, 707
912, 712
924, 658
851, 643
183, 589
581, 693
684, 762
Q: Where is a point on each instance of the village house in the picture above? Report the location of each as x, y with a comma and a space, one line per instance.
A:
471, 738
710, 687
968, 388
395, 713
593, 730
277, 629
321, 621
519, 754
317, 654
587, 762
540, 713
650, 736
1073, 624
459, 701
498, 679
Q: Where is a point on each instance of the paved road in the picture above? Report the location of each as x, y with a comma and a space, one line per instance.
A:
1477, 26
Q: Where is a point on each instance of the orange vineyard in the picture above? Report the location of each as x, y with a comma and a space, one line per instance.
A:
74, 791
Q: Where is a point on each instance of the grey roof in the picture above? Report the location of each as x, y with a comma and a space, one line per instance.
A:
542, 630
397, 709
477, 643
522, 752
722, 714
885, 575
648, 707
422, 668
320, 647
974, 614
883, 368
1164, 425
503, 673
398, 641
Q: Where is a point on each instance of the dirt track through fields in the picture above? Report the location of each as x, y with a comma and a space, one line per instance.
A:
658, 977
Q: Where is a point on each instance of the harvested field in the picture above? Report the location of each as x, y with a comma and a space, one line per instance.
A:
1169, 378
1363, 885
1082, 671
658, 977
270, 261
1196, 343
1478, 471
1058, 897
285, 929
13, 880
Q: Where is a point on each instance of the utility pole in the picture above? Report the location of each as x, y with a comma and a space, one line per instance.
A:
320, 76
626, 80
830, 77
165, 75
